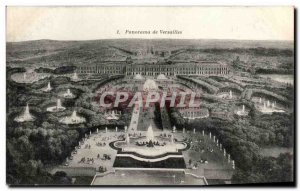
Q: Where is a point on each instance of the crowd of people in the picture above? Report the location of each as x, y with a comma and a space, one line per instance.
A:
147, 143
203, 146
100, 140
165, 135
101, 144
135, 135
87, 161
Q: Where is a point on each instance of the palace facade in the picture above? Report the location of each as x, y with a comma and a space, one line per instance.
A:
205, 68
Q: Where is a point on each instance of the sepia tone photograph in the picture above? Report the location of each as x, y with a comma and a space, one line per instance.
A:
150, 96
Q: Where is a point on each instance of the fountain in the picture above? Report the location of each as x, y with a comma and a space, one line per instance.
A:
68, 94
203, 132
172, 138
194, 131
67, 162
30, 76
48, 88
105, 129
242, 112
268, 108
138, 77
26, 116
150, 85
127, 139
116, 129
73, 119
230, 94
75, 77
260, 100
174, 129
150, 134
56, 108
112, 116
149, 146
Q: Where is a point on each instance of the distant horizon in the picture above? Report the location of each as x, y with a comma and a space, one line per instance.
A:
204, 39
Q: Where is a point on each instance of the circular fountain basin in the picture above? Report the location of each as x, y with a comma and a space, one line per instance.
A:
30, 78
73, 119
269, 110
46, 90
242, 113
75, 78
55, 109
155, 150
68, 96
24, 118
225, 95
112, 118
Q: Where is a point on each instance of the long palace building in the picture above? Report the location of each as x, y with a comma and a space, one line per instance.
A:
204, 68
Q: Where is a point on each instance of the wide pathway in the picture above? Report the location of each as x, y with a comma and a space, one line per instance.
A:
134, 118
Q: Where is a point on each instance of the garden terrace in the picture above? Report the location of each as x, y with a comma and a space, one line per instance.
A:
232, 86
247, 94
209, 88
210, 81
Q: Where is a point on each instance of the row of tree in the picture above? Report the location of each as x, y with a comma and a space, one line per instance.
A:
243, 139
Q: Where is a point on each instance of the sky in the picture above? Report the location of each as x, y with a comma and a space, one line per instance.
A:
89, 23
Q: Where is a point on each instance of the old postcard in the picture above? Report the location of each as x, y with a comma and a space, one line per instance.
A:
165, 96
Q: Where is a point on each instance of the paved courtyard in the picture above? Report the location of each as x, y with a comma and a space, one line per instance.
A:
203, 147
90, 149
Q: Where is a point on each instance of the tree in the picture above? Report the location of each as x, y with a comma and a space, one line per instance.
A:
264, 138
60, 177
279, 139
